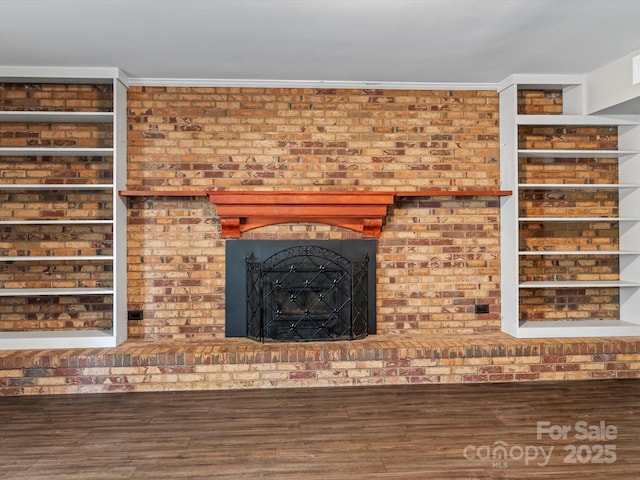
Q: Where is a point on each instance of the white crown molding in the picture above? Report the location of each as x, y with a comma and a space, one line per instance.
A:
245, 83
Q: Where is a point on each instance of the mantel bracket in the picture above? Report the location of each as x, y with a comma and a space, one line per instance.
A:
359, 211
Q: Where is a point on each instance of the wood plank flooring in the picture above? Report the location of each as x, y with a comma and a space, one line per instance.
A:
391, 432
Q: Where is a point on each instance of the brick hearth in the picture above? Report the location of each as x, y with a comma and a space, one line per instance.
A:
146, 365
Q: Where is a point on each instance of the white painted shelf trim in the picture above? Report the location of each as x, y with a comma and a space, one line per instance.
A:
575, 186
57, 186
62, 221
53, 151
576, 120
577, 328
49, 258
533, 153
58, 339
578, 252
578, 219
580, 284
27, 116
37, 292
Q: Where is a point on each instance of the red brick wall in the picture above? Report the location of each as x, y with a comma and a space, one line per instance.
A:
540, 102
56, 97
437, 257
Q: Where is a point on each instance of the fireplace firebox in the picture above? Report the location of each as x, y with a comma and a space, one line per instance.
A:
295, 291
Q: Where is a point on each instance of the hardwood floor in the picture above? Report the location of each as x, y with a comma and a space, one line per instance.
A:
390, 432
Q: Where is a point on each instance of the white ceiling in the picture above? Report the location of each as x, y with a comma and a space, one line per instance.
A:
440, 41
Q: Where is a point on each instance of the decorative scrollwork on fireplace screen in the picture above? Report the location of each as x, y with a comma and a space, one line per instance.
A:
307, 293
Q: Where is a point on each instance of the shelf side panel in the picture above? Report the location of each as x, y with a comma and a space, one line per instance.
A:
120, 212
509, 210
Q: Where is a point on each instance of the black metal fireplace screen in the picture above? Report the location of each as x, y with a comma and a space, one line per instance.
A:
307, 293
304, 292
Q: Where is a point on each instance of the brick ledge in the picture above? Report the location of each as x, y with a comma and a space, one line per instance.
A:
384, 346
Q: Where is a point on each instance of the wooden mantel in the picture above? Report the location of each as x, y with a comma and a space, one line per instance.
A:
245, 210
361, 211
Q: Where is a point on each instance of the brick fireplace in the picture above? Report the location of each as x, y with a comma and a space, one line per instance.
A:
437, 256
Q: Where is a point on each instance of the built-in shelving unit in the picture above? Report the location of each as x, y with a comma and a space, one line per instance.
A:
570, 245
100, 221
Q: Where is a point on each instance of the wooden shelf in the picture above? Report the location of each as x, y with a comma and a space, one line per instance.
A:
361, 211
415, 193
454, 193
162, 193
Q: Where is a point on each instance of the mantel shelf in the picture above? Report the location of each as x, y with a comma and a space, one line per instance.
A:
361, 211
162, 193
442, 192
434, 192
